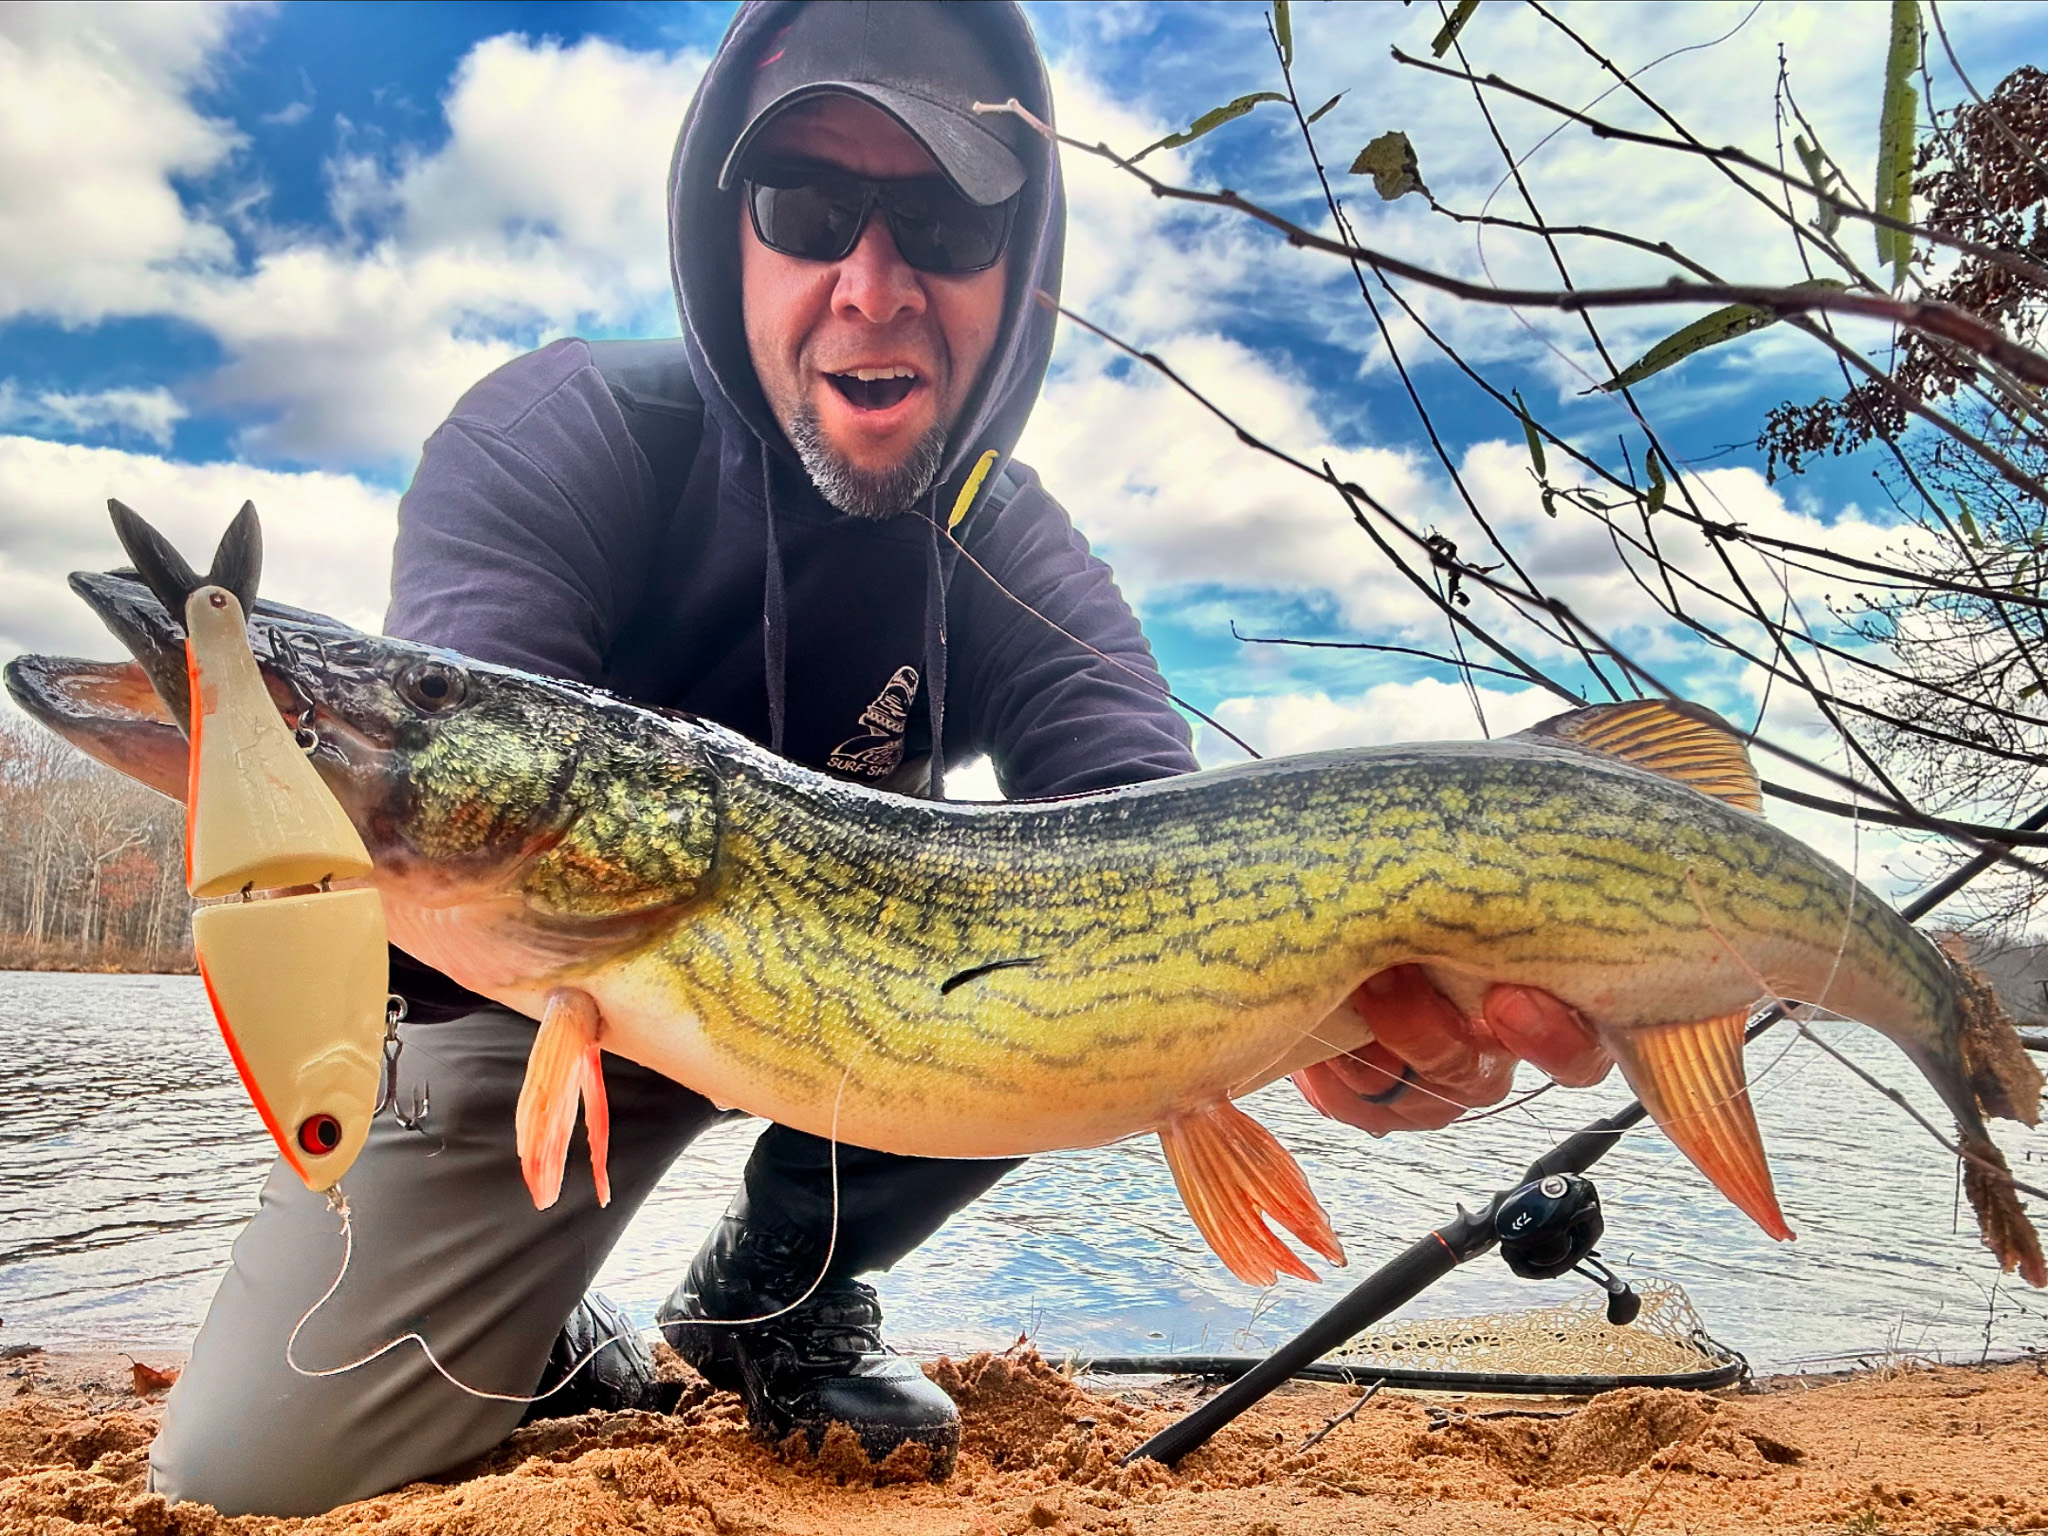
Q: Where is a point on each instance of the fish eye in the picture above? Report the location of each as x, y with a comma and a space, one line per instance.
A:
319, 1134
432, 686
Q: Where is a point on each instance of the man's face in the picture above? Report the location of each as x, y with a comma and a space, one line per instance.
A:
824, 333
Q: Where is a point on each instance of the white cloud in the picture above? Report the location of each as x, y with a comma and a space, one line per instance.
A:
1281, 724
327, 537
1172, 498
544, 212
96, 118
147, 413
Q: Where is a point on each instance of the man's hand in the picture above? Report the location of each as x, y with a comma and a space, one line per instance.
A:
1427, 1063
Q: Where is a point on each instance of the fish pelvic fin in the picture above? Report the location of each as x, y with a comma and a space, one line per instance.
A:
564, 1068
1690, 1078
1670, 737
1231, 1174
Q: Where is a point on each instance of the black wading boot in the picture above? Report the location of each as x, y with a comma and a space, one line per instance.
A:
820, 1363
620, 1375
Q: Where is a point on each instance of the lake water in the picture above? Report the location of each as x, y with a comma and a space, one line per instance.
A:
129, 1158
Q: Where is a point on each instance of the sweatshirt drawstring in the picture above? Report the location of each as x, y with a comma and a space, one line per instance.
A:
935, 650
774, 614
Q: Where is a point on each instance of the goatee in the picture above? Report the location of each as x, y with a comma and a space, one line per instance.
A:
866, 493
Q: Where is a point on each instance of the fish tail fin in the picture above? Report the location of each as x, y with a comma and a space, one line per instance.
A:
1231, 1173
559, 1072
2002, 1220
1998, 1078
1690, 1077
2000, 1073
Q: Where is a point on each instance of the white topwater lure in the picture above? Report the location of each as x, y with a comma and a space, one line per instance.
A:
295, 969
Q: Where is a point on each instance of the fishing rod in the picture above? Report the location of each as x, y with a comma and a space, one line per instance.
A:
1556, 1178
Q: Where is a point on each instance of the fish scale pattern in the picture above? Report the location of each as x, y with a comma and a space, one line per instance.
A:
1189, 938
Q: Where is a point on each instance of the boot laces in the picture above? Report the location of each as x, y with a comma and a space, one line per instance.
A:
835, 1327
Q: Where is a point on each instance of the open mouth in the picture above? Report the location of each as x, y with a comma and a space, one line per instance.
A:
875, 389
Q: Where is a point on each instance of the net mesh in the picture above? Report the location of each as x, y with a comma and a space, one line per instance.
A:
1572, 1339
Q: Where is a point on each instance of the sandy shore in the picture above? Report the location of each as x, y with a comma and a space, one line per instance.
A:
1933, 1450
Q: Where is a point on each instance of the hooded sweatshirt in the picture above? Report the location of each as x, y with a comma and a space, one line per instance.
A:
535, 533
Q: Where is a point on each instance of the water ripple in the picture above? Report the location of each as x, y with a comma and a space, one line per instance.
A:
129, 1159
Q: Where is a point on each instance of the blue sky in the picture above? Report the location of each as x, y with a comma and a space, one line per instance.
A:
258, 251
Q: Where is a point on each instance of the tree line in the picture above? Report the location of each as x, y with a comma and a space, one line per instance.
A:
92, 865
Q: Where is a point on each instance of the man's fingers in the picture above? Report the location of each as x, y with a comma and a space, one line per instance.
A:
1546, 1033
1425, 1029
1375, 1092
1331, 1096
1427, 1063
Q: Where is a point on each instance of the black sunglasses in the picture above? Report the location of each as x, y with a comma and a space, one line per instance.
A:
817, 214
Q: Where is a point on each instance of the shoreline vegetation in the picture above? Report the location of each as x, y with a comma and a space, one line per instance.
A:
98, 962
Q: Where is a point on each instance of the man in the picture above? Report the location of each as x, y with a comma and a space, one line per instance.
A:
791, 523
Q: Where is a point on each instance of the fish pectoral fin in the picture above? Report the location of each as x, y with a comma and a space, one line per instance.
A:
1232, 1173
564, 1067
1690, 1078
1682, 741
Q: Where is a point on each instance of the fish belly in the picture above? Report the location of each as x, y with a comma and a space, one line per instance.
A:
933, 1087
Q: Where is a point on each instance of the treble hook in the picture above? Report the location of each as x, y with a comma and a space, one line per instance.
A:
387, 1098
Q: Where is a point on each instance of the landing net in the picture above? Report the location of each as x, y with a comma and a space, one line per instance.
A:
1564, 1346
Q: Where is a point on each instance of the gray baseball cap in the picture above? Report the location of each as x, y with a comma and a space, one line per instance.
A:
918, 61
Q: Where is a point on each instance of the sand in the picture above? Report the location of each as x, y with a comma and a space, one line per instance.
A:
1935, 1449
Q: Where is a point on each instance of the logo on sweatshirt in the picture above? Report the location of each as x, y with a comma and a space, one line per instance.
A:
876, 754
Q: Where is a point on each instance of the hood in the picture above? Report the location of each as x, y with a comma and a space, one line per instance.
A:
706, 269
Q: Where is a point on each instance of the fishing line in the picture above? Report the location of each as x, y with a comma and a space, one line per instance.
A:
1855, 800
1954, 1149
1411, 1084
338, 1203
1150, 680
1849, 913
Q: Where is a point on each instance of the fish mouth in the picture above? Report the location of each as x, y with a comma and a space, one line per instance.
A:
108, 710
133, 716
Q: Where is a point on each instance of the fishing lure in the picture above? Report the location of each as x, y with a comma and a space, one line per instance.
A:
296, 970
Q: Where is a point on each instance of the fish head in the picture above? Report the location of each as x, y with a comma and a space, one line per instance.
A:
573, 814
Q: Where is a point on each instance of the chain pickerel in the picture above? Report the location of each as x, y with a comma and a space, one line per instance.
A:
983, 980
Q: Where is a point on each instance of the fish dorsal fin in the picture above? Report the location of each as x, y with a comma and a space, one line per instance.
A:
1682, 741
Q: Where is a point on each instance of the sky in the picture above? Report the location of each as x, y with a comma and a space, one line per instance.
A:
257, 252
